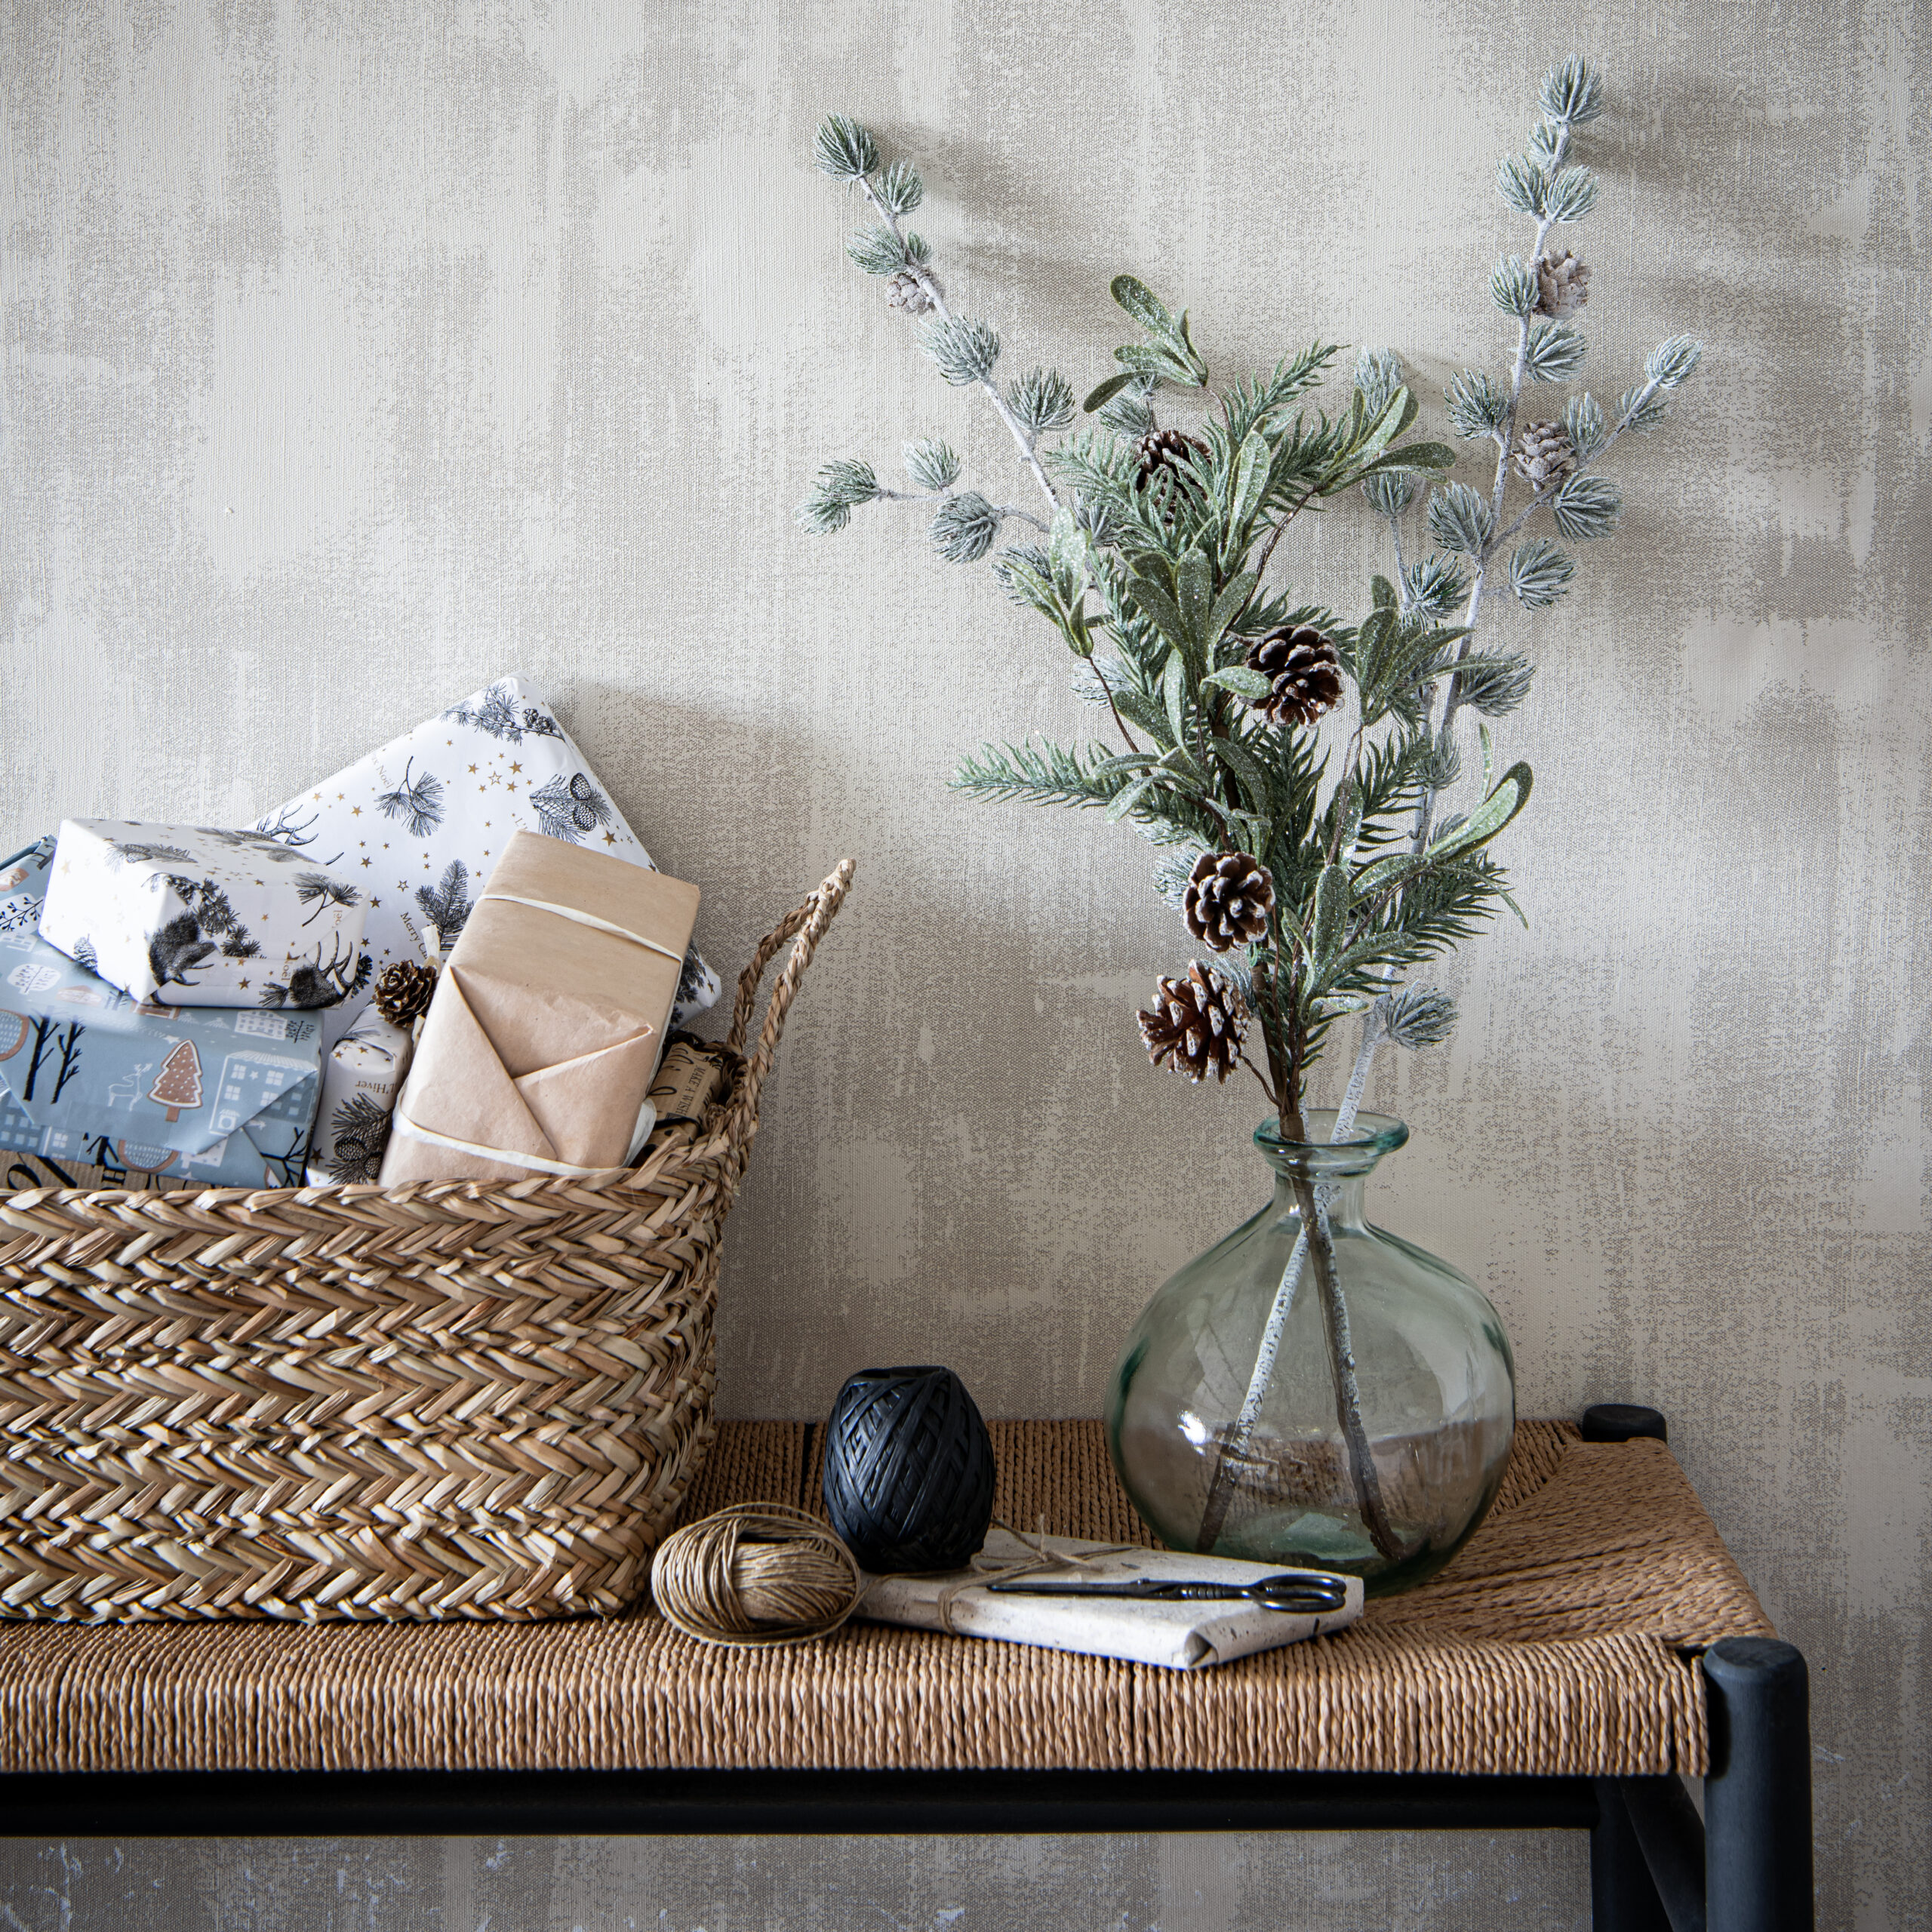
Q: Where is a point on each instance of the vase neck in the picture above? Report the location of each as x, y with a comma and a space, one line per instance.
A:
1342, 1199
1319, 1165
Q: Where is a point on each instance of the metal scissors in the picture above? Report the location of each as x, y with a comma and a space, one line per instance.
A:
1308, 1592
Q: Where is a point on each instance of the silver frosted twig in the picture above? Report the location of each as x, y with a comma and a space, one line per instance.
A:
930, 287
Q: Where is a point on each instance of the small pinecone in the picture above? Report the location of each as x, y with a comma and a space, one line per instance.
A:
905, 290
1163, 450
1228, 899
1304, 670
403, 992
1197, 1026
1563, 284
1545, 455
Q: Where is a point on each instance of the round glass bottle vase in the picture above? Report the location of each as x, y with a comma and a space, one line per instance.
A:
1343, 1402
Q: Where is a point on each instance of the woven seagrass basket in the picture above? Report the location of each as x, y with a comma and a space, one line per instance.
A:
453, 1399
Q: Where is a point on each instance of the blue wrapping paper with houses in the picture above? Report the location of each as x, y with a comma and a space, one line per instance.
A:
224, 1096
421, 823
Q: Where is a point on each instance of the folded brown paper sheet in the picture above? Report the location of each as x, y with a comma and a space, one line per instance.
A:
540, 1045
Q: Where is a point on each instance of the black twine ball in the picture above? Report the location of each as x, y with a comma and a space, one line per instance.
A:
908, 1469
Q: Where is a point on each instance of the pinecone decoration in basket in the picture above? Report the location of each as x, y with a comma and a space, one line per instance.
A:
1197, 1026
1545, 455
1162, 452
905, 290
1228, 899
403, 992
1563, 284
1304, 671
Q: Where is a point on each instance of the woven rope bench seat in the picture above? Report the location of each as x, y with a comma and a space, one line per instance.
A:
1555, 1645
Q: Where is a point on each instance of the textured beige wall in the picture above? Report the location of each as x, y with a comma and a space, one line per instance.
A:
355, 353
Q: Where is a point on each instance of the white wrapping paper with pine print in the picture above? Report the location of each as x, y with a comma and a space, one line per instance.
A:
200, 915
421, 823
1177, 1636
361, 1076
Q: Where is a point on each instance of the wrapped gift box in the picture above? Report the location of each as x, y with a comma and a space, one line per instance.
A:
536, 1053
361, 1078
421, 823
215, 1096
192, 916
1176, 1636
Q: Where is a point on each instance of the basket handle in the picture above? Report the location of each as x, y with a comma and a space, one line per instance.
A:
808, 922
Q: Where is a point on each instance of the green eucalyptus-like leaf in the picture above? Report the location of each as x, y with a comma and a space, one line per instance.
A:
1410, 456
1335, 894
1226, 607
1250, 480
1159, 604
1194, 583
1397, 414
1350, 818
1067, 546
1384, 875
1142, 304
1173, 690
1247, 770
1103, 393
1511, 794
1239, 679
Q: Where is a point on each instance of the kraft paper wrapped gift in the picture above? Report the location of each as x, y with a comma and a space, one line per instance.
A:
195, 915
537, 1051
91, 1079
421, 823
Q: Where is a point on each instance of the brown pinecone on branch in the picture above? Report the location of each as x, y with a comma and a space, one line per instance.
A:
1563, 284
1545, 455
1229, 897
403, 992
1304, 671
1164, 451
906, 291
1197, 1026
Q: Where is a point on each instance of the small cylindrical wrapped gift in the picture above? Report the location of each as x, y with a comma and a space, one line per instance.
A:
361, 1078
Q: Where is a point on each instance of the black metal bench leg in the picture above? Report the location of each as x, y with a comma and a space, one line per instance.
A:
1622, 1896
1758, 1797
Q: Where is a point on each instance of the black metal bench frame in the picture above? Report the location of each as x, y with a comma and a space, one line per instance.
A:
1654, 1866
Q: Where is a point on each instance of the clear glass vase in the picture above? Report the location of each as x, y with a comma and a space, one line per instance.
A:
1340, 1399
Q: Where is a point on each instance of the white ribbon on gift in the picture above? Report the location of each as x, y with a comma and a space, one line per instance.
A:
565, 1170
577, 918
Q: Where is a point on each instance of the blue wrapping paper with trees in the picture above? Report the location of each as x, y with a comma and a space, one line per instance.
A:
92, 1078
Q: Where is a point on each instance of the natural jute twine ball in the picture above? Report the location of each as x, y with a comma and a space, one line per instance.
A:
755, 1575
908, 1470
